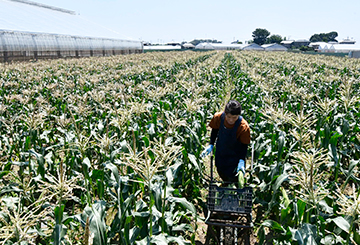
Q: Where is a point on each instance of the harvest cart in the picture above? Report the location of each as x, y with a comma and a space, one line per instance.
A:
229, 212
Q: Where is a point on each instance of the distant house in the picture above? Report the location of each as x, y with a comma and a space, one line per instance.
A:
274, 47
188, 46
319, 46
295, 44
301, 42
173, 44
236, 42
287, 43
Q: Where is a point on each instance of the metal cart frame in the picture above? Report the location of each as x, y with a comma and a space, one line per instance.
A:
229, 211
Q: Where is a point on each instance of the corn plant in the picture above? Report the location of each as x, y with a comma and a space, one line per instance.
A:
106, 150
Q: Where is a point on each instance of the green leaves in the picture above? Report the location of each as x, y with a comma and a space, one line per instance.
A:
163, 239
273, 225
60, 227
96, 215
342, 223
307, 234
86, 117
302, 112
281, 144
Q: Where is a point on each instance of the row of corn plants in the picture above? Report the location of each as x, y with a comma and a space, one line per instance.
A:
304, 112
103, 150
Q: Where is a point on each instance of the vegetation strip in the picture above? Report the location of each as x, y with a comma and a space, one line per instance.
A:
105, 150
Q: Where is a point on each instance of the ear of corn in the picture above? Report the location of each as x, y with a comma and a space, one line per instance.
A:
241, 180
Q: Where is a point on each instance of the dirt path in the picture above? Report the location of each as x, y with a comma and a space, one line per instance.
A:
202, 228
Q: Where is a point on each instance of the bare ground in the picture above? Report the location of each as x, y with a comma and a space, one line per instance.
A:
202, 231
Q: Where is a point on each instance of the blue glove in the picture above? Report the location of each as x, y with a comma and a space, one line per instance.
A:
207, 151
241, 166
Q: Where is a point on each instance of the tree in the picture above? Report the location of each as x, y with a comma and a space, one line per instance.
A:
274, 39
306, 48
260, 36
316, 38
332, 35
197, 41
324, 37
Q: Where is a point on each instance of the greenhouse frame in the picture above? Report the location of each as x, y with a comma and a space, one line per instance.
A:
32, 31
16, 46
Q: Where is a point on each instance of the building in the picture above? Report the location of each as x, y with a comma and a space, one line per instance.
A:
354, 54
295, 44
274, 47
30, 30
343, 48
188, 46
204, 46
253, 46
319, 46
299, 43
220, 46
162, 48
287, 43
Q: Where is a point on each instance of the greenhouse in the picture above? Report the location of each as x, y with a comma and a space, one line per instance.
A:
219, 46
30, 30
273, 47
253, 46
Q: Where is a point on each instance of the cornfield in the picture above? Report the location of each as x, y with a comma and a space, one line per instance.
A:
106, 150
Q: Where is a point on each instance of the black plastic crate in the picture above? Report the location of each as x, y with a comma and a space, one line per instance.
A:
230, 200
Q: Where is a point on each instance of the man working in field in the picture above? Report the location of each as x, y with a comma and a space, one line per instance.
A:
232, 135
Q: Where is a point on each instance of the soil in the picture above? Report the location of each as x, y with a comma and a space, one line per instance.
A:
202, 231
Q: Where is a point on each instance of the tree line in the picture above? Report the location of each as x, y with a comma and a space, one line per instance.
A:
262, 36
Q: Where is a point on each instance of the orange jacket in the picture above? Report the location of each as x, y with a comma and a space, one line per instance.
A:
242, 133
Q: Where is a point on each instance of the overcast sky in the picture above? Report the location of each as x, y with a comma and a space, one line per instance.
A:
161, 21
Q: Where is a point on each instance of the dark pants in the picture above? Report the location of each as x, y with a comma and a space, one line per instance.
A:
226, 178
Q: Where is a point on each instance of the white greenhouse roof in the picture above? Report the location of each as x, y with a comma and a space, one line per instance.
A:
220, 46
274, 47
345, 47
162, 47
252, 46
189, 45
287, 41
26, 16
204, 46
266, 45
302, 41
317, 44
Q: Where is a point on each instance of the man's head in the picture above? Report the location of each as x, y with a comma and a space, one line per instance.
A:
232, 111
233, 107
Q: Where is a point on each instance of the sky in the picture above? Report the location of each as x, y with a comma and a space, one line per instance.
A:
160, 21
